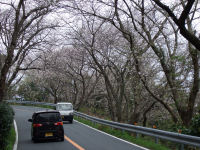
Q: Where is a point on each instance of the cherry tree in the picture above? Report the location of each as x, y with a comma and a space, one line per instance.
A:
24, 28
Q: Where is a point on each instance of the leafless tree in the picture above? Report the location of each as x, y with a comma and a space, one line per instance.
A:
67, 76
110, 57
23, 29
189, 10
148, 29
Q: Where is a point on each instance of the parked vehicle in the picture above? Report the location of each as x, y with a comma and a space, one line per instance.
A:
66, 111
47, 125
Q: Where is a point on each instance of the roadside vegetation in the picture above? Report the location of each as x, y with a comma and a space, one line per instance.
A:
166, 125
11, 139
7, 135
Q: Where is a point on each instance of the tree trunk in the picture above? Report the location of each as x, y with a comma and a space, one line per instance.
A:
111, 109
145, 114
55, 98
2, 90
3, 74
135, 115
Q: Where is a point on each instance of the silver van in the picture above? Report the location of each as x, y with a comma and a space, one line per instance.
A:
66, 111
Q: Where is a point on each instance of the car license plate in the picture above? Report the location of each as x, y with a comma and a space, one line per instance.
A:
48, 134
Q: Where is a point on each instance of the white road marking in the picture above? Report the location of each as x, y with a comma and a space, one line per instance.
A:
16, 137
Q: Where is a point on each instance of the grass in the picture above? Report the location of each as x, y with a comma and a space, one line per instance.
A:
11, 139
146, 141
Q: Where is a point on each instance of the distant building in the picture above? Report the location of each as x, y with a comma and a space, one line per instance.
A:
17, 97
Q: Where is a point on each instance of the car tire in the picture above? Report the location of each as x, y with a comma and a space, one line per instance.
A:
62, 139
34, 140
71, 121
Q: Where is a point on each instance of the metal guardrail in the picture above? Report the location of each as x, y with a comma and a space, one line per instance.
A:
158, 134
30, 102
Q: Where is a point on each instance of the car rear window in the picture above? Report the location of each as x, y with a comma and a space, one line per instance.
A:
64, 107
48, 117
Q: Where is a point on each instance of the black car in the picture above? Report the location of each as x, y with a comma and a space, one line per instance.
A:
47, 125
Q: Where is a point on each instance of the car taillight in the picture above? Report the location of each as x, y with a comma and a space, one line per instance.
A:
37, 125
58, 123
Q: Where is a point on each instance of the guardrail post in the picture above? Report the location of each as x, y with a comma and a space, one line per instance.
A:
182, 146
137, 135
156, 140
123, 131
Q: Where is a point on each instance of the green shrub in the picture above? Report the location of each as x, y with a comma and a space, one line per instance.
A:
177, 127
11, 139
6, 121
195, 126
193, 129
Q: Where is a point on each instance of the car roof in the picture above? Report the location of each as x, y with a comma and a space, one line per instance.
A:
46, 111
64, 103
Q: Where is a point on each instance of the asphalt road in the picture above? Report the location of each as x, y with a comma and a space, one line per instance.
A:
77, 136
